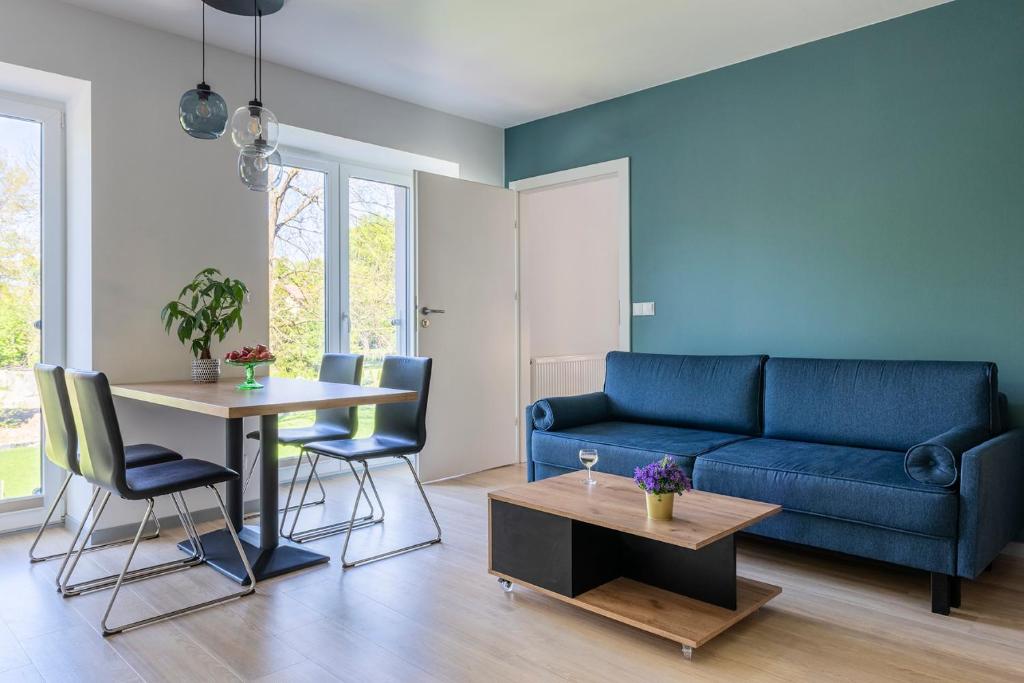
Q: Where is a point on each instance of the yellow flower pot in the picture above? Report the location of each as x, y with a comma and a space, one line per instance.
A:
659, 506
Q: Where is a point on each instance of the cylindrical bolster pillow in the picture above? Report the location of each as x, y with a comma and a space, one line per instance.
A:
551, 414
937, 460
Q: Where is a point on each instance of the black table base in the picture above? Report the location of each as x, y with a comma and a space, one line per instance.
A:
281, 559
267, 555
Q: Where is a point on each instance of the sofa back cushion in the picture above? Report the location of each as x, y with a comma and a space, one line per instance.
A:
718, 393
890, 405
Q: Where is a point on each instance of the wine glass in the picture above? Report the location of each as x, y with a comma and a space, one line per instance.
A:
588, 458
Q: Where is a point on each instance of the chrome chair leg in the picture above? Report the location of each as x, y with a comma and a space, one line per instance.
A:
112, 630
197, 556
78, 533
399, 551
285, 509
49, 516
317, 533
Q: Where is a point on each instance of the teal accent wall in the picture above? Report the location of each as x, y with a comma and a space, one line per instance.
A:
861, 196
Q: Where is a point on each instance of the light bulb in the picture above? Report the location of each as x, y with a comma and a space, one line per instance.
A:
260, 172
203, 113
251, 123
203, 108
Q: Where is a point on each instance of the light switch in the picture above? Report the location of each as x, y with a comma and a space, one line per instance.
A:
643, 308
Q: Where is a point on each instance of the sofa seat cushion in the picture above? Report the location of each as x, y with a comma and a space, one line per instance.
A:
840, 482
624, 446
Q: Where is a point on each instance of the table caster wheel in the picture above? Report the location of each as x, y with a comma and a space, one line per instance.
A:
505, 584
687, 652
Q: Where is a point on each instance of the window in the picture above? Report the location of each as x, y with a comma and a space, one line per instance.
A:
377, 216
339, 271
31, 294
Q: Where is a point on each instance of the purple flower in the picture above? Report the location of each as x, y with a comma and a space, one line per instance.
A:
662, 477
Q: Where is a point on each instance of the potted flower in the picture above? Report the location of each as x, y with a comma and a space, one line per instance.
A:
207, 307
662, 481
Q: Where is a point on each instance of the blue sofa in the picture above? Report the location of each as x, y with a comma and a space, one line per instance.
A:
906, 462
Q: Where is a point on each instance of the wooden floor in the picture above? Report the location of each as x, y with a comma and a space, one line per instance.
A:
436, 615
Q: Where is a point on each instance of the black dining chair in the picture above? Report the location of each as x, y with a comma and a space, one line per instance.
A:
329, 424
400, 430
102, 461
61, 448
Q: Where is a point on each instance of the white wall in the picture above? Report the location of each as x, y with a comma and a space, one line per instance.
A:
165, 205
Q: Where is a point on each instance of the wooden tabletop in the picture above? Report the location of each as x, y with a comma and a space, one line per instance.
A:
700, 518
278, 395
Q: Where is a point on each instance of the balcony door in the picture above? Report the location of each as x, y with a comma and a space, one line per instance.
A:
31, 300
339, 269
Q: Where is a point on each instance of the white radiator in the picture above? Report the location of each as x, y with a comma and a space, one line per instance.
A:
566, 375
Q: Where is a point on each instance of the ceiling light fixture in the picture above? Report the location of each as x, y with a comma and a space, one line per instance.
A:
254, 127
202, 112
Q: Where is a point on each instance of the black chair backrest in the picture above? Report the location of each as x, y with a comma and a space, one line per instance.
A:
101, 452
341, 368
59, 423
406, 420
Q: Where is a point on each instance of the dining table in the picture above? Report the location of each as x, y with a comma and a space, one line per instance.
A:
267, 553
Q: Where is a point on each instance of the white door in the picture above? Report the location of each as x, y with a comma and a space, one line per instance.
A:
466, 267
574, 293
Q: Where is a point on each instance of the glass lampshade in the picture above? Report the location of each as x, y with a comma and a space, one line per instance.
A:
260, 172
251, 123
203, 113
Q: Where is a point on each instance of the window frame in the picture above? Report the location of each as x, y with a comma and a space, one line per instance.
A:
26, 511
337, 318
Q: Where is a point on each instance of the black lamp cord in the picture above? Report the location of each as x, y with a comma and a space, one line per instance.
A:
255, 51
204, 42
259, 23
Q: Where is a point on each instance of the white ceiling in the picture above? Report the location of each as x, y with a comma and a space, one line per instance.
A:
506, 62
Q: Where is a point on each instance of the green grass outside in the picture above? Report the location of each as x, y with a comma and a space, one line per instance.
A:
19, 471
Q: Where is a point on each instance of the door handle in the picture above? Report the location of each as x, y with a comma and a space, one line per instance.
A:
427, 311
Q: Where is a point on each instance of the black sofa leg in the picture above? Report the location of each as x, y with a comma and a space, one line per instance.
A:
945, 592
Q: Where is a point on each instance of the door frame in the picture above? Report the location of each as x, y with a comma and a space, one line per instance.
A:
26, 511
618, 169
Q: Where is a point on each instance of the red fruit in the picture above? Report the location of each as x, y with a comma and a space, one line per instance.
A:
260, 348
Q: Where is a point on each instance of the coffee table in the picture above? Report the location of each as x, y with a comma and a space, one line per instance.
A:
594, 547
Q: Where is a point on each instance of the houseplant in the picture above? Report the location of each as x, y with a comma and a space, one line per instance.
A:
662, 481
207, 307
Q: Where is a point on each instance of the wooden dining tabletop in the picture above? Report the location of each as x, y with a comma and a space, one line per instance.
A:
279, 395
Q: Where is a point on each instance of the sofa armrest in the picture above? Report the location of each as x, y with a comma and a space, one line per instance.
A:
991, 500
565, 412
528, 435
